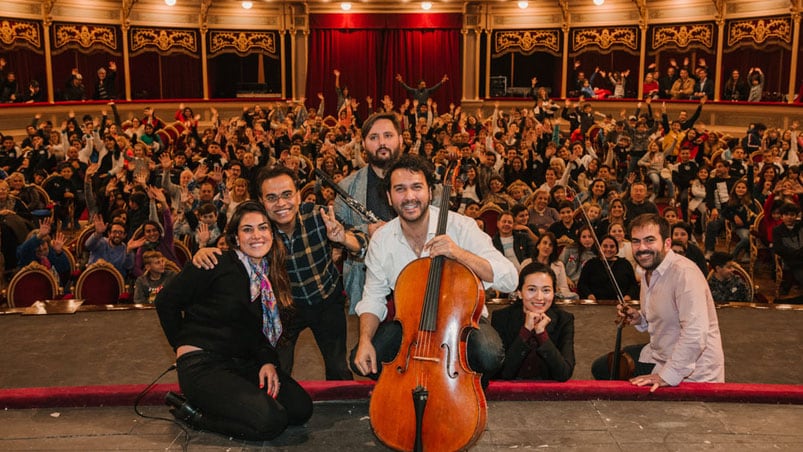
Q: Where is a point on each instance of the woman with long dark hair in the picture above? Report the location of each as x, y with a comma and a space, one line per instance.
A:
225, 324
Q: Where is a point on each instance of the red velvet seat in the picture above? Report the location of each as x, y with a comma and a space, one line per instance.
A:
32, 283
100, 283
489, 214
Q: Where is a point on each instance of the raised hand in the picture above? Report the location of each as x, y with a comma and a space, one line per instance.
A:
44, 227
334, 230
57, 243
166, 161
203, 234
100, 225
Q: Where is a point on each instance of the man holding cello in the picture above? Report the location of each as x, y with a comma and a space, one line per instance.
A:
677, 310
411, 235
438, 265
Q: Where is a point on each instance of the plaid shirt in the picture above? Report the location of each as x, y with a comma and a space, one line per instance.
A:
312, 271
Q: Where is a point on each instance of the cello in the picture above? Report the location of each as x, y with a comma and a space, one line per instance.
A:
427, 398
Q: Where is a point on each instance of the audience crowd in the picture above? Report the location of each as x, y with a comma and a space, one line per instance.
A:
145, 182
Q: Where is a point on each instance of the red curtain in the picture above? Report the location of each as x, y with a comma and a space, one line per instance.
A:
154, 76
370, 49
27, 65
88, 65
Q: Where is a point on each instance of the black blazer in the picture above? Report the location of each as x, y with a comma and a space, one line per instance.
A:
212, 309
522, 245
555, 356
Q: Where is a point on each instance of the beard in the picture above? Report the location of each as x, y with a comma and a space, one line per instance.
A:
656, 258
412, 217
382, 162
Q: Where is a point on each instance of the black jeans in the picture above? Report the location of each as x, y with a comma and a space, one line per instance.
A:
226, 392
600, 366
328, 324
484, 349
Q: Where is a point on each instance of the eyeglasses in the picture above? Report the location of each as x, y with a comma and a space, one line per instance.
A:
285, 195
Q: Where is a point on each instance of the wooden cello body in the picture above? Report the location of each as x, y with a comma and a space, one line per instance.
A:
432, 358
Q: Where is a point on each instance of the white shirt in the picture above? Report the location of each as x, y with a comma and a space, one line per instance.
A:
388, 253
678, 311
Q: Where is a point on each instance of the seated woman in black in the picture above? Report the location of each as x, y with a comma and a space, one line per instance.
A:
595, 284
224, 324
538, 336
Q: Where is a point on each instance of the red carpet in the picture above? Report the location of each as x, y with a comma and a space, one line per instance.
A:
122, 395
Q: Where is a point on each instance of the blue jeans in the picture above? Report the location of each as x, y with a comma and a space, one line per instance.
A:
226, 392
484, 349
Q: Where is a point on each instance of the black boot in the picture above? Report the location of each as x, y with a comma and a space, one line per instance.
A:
181, 409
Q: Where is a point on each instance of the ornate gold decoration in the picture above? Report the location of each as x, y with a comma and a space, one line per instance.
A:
605, 38
758, 31
682, 36
84, 36
242, 42
164, 41
15, 30
526, 42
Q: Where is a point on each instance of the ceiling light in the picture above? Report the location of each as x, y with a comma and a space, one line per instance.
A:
345, 6
599, 2
523, 4
247, 5
426, 6
170, 2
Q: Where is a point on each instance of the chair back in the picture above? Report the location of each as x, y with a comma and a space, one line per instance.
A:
740, 272
489, 214
32, 283
100, 283
79, 249
756, 244
307, 189
182, 252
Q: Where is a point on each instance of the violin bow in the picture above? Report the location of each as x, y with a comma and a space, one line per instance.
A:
620, 298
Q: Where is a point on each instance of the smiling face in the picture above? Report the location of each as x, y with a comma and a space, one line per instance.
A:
609, 248
151, 233
586, 239
409, 195
505, 225
649, 249
545, 247
281, 199
537, 292
254, 236
617, 231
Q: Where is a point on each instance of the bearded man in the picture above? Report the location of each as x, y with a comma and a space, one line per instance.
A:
382, 141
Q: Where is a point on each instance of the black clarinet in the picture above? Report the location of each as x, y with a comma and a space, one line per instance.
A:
348, 199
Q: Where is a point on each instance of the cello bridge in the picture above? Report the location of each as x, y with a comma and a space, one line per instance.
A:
427, 358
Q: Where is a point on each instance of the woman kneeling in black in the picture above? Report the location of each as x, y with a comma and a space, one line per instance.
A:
224, 324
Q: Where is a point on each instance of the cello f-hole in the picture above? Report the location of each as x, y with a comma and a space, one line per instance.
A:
452, 373
403, 369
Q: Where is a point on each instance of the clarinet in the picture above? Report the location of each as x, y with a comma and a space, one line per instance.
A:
348, 199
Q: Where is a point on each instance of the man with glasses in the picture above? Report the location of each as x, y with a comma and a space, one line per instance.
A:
112, 249
310, 235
